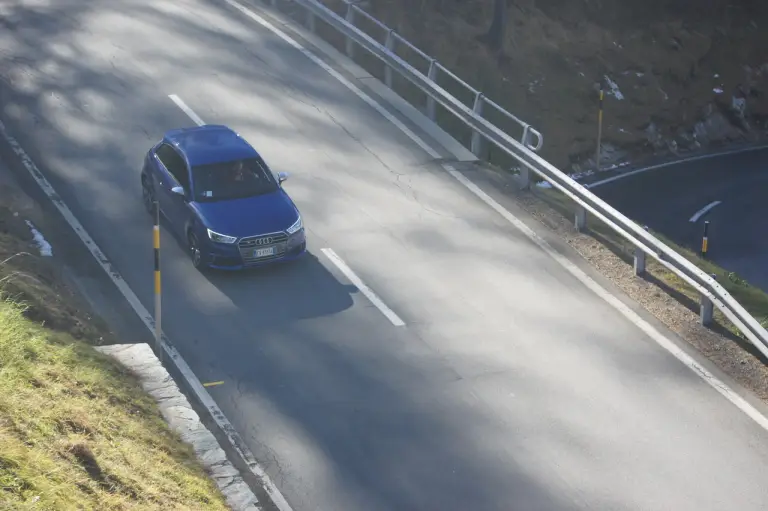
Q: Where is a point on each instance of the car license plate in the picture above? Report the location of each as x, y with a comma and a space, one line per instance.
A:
264, 252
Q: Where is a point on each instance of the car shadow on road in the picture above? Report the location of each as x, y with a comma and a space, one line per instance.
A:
294, 290
279, 293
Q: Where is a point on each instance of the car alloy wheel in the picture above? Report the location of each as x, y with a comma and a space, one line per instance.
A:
194, 252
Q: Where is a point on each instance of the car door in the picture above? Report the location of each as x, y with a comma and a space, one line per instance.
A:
173, 172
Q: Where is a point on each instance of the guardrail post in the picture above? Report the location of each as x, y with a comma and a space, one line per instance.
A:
390, 45
432, 75
525, 177
639, 262
525, 172
350, 17
640, 259
581, 218
707, 309
477, 108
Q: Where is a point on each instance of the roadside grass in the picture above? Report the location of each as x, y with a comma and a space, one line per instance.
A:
753, 299
76, 429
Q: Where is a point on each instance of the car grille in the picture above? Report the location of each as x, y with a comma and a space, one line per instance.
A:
248, 246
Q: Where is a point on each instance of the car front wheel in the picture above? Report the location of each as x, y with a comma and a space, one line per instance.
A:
195, 253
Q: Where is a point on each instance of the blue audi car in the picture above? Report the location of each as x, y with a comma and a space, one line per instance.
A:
219, 195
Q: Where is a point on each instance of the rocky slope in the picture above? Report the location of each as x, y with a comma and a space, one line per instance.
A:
679, 74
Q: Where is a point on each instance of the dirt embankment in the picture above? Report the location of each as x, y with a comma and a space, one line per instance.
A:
679, 74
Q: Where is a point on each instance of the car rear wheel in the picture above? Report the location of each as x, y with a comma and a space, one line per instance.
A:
194, 252
147, 196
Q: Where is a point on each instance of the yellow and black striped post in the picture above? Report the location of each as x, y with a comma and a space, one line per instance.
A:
158, 315
599, 129
705, 240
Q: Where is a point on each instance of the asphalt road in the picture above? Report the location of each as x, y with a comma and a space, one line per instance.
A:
667, 199
510, 386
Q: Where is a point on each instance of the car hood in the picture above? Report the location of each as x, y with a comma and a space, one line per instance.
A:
249, 216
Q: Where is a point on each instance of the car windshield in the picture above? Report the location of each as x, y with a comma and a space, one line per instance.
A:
232, 180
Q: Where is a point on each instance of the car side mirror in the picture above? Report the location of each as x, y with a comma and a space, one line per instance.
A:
178, 190
282, 177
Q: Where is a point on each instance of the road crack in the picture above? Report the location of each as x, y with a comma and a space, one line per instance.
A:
359, 141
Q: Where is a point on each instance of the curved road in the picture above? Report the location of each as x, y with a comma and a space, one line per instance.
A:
510, 385
730, 191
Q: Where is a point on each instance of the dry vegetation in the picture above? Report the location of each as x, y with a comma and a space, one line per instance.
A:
666, 56
76, 430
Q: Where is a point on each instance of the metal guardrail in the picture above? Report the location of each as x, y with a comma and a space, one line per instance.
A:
436, 72
711, 292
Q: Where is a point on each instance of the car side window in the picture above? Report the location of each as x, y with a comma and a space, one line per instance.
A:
174, 163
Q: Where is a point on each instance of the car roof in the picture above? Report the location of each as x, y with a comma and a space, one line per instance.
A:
210, 143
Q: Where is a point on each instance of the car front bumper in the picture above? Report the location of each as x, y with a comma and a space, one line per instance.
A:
233, 257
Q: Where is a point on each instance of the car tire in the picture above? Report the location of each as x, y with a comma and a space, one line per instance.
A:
147, 196
193, 247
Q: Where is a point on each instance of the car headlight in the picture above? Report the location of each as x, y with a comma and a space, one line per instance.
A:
221, 238
298, 224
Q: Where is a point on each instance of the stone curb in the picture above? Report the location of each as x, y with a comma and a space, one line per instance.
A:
178, 413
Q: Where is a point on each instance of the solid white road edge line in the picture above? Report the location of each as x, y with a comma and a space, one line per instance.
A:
675, 162
184, 108
603, 293
375, 300
703, 211
197, 387
334, 258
